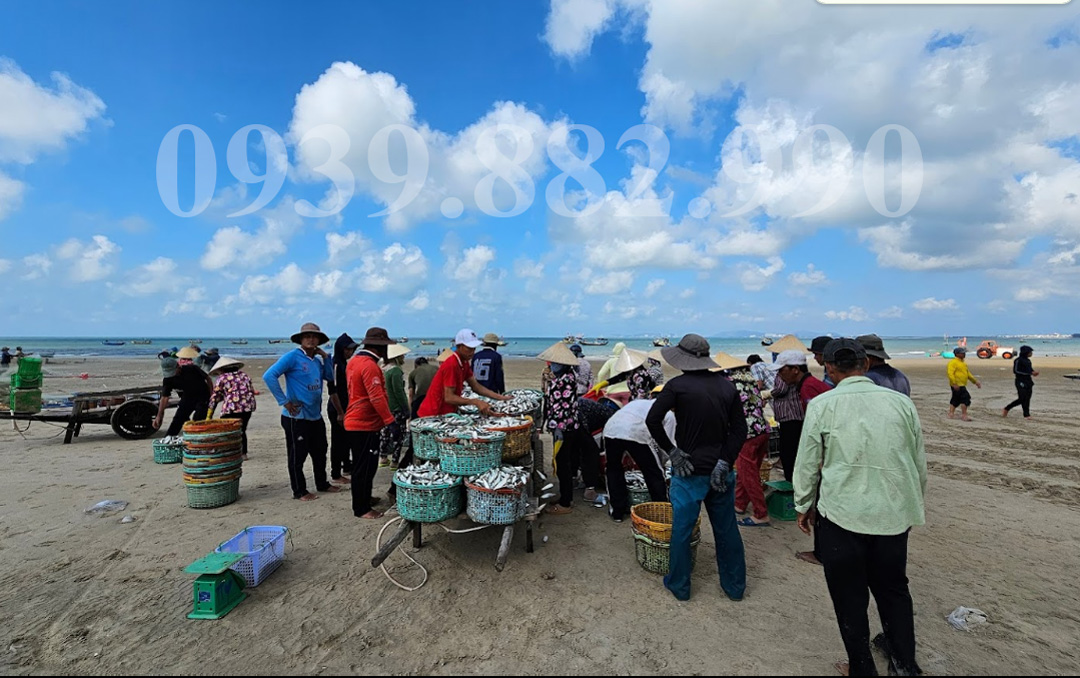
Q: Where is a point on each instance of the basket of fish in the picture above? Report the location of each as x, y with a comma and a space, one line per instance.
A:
498, 496
470, 451
169, 450
518, 432
635, 485
523, 402
425, 494
425, 430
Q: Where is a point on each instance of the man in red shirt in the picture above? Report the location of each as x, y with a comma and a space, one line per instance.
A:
444, 394
367, 414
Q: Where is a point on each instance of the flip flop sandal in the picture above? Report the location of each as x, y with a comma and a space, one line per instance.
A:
749, 522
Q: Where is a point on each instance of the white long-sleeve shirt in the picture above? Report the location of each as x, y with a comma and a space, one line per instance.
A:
629, 423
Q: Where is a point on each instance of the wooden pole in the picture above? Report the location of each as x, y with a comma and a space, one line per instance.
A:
417, 536
403, 531
504, 547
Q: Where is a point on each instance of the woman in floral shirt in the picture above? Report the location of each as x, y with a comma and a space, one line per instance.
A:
748, 465
234, 390
562, 419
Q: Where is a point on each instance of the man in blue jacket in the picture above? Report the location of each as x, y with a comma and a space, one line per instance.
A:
305, 369
487, 365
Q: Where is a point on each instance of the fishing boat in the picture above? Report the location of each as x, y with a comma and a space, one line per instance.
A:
599, 341
107, 342
277, 341
141, 342
767, 341
403, 340
661, 342
427, 342
240, 342
194, 342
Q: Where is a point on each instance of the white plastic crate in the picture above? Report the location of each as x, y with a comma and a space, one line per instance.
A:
265, 549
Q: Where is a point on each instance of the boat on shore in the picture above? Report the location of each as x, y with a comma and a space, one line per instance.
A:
403, 340
662, 342
107, 342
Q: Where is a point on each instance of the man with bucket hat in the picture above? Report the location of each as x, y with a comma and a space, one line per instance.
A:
881, 372
710, 428
305, 369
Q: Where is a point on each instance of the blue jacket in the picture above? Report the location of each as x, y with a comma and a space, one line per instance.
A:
304, 379
487, 366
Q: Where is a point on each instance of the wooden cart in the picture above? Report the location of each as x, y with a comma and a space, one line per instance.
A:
130, 412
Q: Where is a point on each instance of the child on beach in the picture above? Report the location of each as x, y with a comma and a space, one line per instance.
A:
234, 389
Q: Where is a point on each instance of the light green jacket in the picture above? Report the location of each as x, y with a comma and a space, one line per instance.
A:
861, 459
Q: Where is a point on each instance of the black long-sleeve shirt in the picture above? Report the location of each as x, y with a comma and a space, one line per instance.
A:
1023, 370
710, 424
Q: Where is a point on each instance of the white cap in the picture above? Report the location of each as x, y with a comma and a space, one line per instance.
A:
793, 357
467, 338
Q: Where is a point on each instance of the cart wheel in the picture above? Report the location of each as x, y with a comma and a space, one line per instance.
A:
134, 419
1007, 355
984, 353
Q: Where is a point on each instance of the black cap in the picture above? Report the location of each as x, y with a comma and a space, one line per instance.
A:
819, 343
576, 349
844, 349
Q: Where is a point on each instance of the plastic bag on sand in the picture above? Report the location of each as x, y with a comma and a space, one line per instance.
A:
107, 506
966, 618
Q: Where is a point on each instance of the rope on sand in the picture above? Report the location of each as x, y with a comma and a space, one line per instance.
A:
382, 566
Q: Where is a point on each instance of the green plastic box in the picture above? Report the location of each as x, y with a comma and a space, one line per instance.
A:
19, 381
26, 401
30, 368
781, 501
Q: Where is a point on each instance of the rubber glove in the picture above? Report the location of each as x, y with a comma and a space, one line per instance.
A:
718, 479
681, 465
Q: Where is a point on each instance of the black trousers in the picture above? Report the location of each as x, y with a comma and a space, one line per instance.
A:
365, 455
244, 418
304, 438
187, 409
647, 461
576, 454
790, 432
857, 565
339, 446
1023, 397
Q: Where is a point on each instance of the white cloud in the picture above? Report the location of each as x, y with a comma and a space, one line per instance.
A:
527, 268
159, 275
471, 265
89, 261
898, 247
5, 265
891, 312
11, 192
398, 269
931, 304
653, 287
345, 247
687, 293
754, 278
37, 266
194, 301
853, 314
572, 25
626, 311
36, 119
810, 278
287, 286
1032, 294
362, 103
329, 283
420, 302
613, 282
232, 247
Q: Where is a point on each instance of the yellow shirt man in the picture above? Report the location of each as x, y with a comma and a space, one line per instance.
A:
959, 376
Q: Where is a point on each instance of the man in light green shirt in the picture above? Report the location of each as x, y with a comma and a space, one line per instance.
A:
860, 478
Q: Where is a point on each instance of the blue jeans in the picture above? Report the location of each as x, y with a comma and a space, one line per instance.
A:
686, 497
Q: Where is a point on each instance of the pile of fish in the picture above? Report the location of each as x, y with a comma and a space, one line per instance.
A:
440, 423
425, 475
525, 401
171, 441
501, 478
473, 433
501, 422
635, 480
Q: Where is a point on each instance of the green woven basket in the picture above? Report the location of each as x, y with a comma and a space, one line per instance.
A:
495, 507
656, 557
213, 495
471, 456
429, 504
168, 454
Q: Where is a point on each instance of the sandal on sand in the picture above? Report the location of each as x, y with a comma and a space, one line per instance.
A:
842, 668
559, 510
749, 522
332, 488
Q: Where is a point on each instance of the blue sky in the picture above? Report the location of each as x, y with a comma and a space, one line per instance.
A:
991, 95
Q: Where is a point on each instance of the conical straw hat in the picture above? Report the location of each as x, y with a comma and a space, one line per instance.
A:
559, 353
789, 342
445, 355
728, 362
395, 351
628, 360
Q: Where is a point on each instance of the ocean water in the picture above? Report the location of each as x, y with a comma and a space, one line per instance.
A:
897, 347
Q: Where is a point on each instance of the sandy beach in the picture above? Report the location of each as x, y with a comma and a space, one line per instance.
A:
86, 594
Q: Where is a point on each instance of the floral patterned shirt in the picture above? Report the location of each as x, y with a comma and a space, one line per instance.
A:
560, 406
641, 382
235, 389
753, 405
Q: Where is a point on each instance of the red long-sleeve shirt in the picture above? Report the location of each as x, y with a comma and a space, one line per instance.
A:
369, 408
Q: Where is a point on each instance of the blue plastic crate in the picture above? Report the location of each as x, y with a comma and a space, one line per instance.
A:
265, 549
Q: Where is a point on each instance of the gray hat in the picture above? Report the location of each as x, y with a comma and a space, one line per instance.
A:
169, 367
959, 349
575, 349
691, 354
844, 349
873, 345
